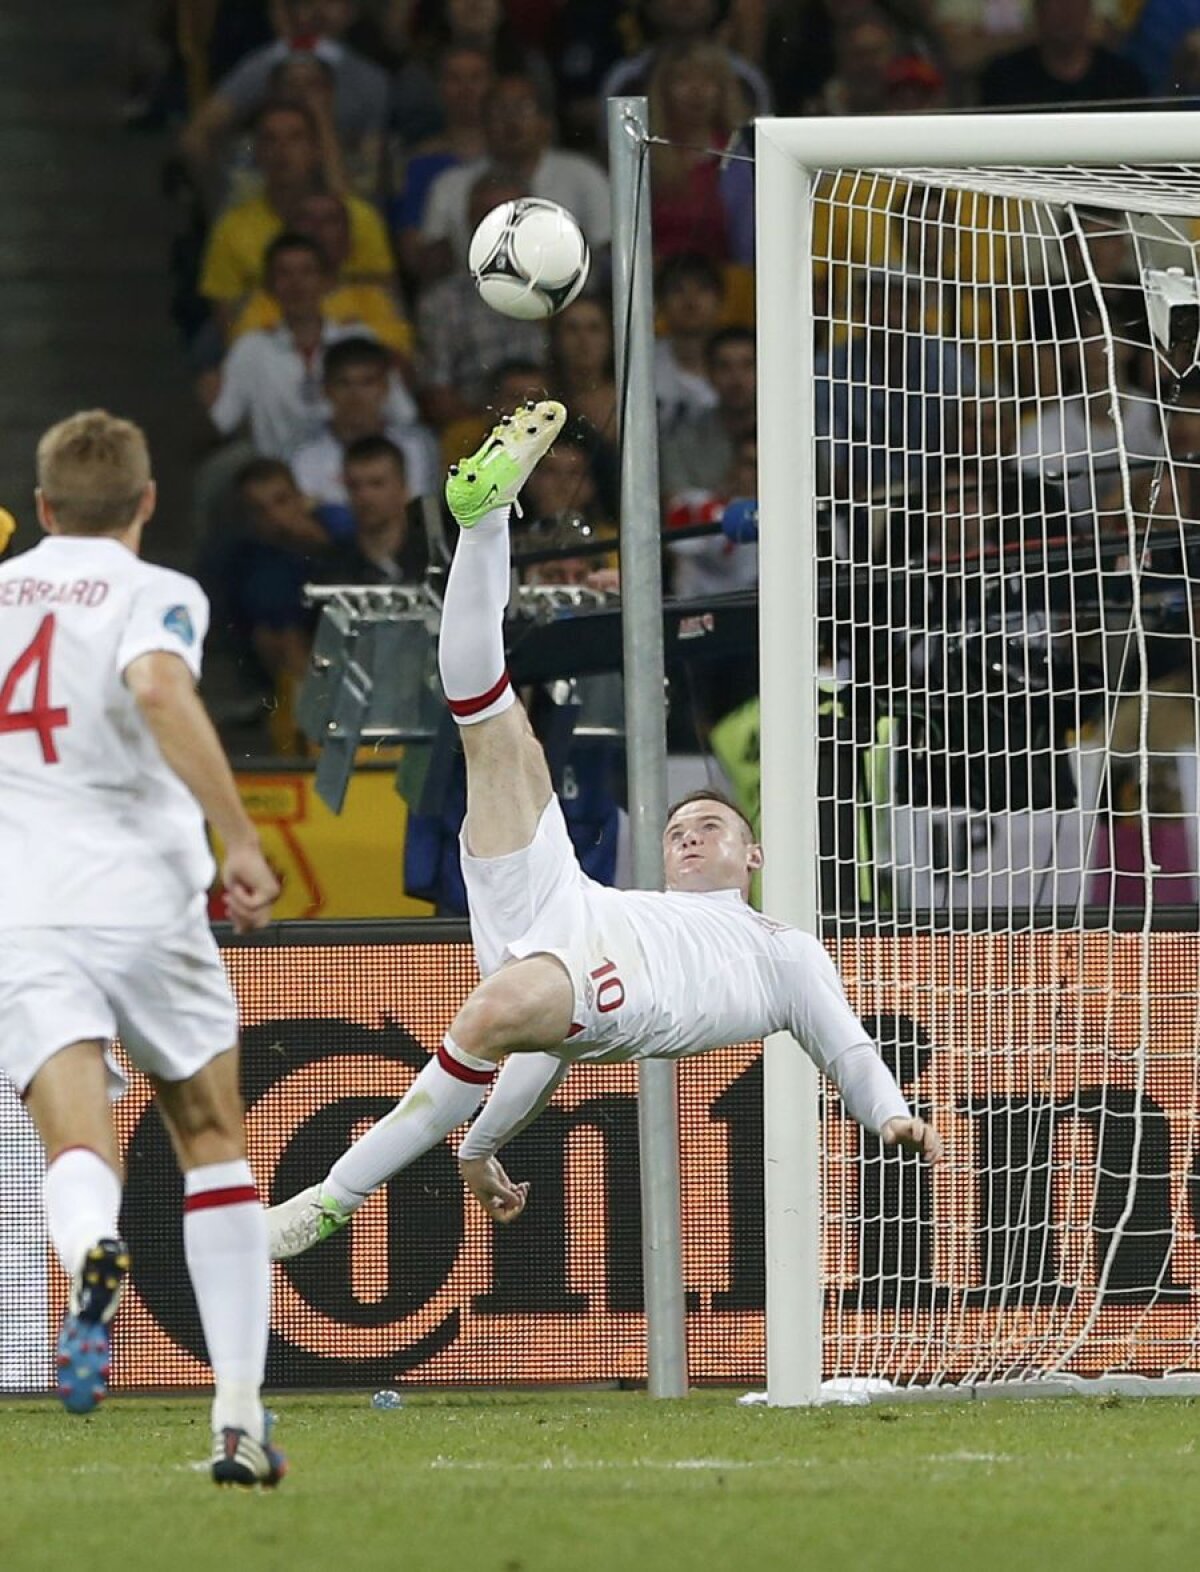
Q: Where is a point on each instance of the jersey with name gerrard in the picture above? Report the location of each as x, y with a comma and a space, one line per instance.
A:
95, 829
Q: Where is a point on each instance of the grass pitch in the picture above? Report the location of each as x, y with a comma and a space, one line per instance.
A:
610, 1482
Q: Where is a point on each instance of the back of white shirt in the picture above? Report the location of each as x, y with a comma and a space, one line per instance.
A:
95, 829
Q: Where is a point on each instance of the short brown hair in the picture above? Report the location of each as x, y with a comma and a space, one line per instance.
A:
93, 469
712, 794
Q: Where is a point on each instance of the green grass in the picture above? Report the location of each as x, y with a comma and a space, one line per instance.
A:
571, 1482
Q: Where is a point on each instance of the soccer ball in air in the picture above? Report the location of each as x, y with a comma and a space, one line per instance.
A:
528, 258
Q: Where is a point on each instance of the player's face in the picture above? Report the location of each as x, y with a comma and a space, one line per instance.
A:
706, 847
377, 491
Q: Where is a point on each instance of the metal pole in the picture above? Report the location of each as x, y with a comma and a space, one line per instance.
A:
645, 718
787, 616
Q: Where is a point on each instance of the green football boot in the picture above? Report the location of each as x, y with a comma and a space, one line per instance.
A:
494, 474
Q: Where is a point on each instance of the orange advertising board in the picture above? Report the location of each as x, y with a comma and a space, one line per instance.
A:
1063, 1228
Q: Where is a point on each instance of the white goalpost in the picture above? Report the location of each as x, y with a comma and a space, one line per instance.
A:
979, 429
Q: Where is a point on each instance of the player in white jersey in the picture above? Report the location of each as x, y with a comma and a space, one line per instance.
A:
109, 766
572, 970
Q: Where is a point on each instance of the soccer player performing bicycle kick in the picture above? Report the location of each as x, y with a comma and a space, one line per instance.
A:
574, 972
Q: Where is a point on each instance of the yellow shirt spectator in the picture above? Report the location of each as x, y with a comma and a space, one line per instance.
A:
370, 304
233, 261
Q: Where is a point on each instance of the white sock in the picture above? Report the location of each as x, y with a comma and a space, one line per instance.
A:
471, 645
444, 1095
81, 1196
225, 1242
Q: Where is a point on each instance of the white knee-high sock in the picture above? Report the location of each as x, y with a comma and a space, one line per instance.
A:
81, 1196
444, 1095
471, 646
225, 1242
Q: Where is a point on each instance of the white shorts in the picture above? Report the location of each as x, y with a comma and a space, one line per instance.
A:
531, 902
165, 994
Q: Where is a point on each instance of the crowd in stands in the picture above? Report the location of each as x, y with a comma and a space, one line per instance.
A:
333, 157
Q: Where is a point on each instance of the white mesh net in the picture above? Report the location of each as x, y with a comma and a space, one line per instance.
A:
1007, 424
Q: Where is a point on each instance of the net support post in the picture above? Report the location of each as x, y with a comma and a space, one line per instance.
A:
645, 716
788, 689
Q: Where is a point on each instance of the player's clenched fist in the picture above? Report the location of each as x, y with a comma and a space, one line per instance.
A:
493, 1189
915, 1136
250, 887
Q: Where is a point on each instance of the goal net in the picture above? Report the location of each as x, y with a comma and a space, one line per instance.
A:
996, 446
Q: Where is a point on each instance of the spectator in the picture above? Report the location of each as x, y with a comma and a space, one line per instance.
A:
360, 87
582, 376
698, 453
461, 340
307, 79
1095, 245
973, 32
713, 564
563, 487
1062, 66
914, 86
465, 79
519, 130
581, 347
356, 386
679, 24
287, 151
1157, 38
1078, 440
588, 43
325, 218
690, 294
382, 548
694, 103
259, 586
865, 49
889, 395
513, 382
271, 380
440, 25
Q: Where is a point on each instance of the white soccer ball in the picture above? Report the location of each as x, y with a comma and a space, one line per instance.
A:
528, 258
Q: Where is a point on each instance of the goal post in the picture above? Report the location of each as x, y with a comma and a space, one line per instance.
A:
978, 344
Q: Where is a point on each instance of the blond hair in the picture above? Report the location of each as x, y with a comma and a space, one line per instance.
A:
93, 470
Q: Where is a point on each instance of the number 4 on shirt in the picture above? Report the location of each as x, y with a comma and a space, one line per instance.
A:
42, 717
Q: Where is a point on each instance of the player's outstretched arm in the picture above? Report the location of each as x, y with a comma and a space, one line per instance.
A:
915, 1136
523, 1088
165, 693
500, 1198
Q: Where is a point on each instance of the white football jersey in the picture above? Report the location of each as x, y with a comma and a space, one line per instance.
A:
95, 829
676, 973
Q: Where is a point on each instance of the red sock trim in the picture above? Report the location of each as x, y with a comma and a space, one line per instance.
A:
481, 702
462, 1072
232, 1195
